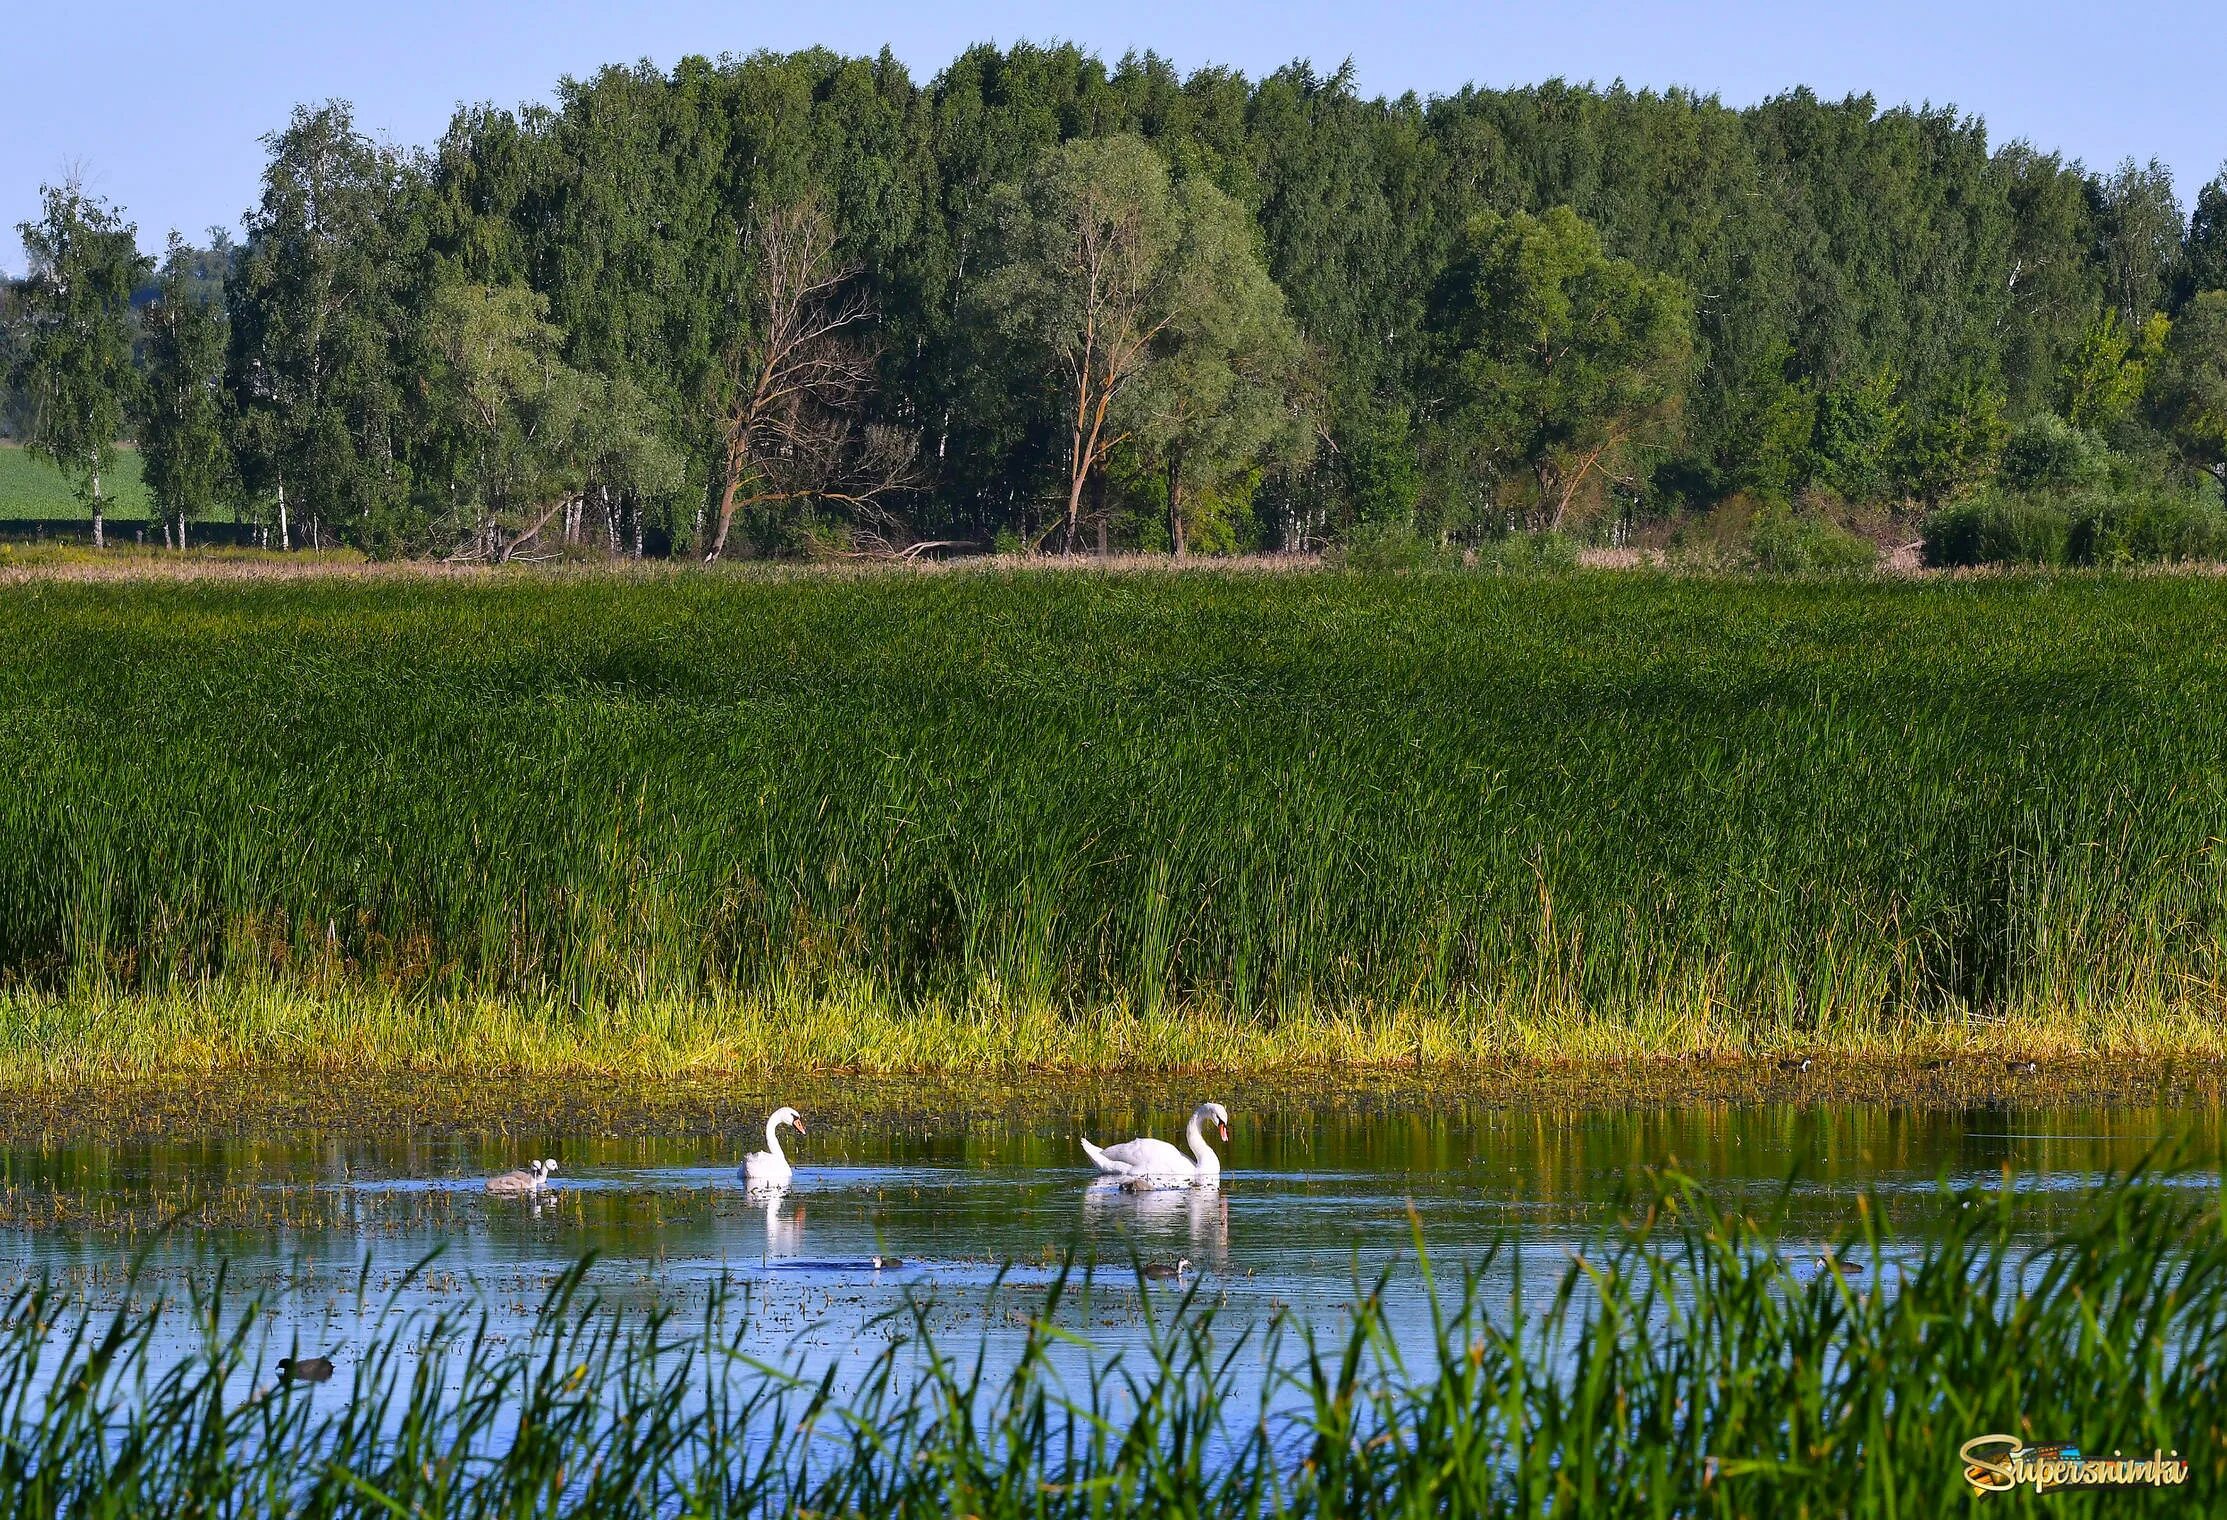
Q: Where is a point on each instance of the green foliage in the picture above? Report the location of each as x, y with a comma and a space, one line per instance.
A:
1766, 448
1997, 528
1093, 277
1218, 399
185, 428
1859, 425
2047, 453
317, 301
1781, 541
1544, 553
2102, 379
1564, 369
513, 418
1377, 463
2096, 526
1955, 442
32, 488
2188, 388
2203, 263
1868, 292
1623, 796
1392, 548
2144, 526
73, 336
2138, 236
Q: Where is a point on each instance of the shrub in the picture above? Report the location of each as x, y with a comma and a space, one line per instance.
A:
1390, 546
2094, 527
1781, 541
1526, 554
1997, 528
2047, 453
2143, 527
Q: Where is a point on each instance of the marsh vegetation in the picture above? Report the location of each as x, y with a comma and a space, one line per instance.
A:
1099, 820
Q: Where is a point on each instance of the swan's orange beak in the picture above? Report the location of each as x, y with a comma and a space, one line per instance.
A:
800, 1124
1224, 1129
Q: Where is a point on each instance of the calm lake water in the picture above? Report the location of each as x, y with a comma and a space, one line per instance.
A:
984, 1200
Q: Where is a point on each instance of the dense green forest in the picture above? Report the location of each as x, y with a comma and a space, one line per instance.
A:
808, 303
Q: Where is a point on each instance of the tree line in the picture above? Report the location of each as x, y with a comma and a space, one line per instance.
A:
806, 303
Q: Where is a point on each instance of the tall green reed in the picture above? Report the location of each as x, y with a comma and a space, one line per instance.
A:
1763, 810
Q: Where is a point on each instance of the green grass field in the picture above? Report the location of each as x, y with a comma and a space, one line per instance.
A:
32, 488
943, 819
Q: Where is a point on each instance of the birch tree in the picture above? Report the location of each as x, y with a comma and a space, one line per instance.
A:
74, 335
185, 436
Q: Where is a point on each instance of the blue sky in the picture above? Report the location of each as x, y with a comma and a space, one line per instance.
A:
160, 106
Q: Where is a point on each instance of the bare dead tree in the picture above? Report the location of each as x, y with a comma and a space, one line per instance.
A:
799, 382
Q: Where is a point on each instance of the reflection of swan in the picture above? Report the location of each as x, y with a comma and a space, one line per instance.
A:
1157, 1158
1200, 1211
769, 1167
783, 1235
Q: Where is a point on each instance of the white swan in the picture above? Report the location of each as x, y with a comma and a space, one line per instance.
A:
1157, 1159
531, 1179
769, 1167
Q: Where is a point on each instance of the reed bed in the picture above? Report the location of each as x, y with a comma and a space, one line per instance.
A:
943, 819
1684, 1365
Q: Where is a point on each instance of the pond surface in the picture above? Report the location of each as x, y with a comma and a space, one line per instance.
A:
985, 1199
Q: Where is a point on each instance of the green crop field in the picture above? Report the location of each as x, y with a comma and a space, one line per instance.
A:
1115, 817
31, 488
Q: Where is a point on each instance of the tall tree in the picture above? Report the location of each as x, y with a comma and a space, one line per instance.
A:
74, 337
2188, 385
1092, 275
2138, 235
1562, 364
511, 412
792, 413
185, 434
316, 328
2103, 377
2204, 257
1221, 396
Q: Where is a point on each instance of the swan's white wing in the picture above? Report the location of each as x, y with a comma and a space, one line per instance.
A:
764, 1166
1102, 1161
1150, 1158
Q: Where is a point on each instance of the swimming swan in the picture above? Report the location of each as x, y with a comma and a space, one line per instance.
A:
1158, 1159
532, 1179
769, 1167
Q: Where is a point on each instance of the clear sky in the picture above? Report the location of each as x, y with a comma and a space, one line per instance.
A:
159, 106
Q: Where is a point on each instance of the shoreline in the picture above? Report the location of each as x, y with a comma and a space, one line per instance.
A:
273, 1099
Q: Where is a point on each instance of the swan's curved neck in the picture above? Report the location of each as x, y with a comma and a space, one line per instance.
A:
773, 1138
1208, 1161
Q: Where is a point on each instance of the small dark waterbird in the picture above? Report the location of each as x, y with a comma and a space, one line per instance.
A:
886, 1263
1160, 1271
305, 1369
